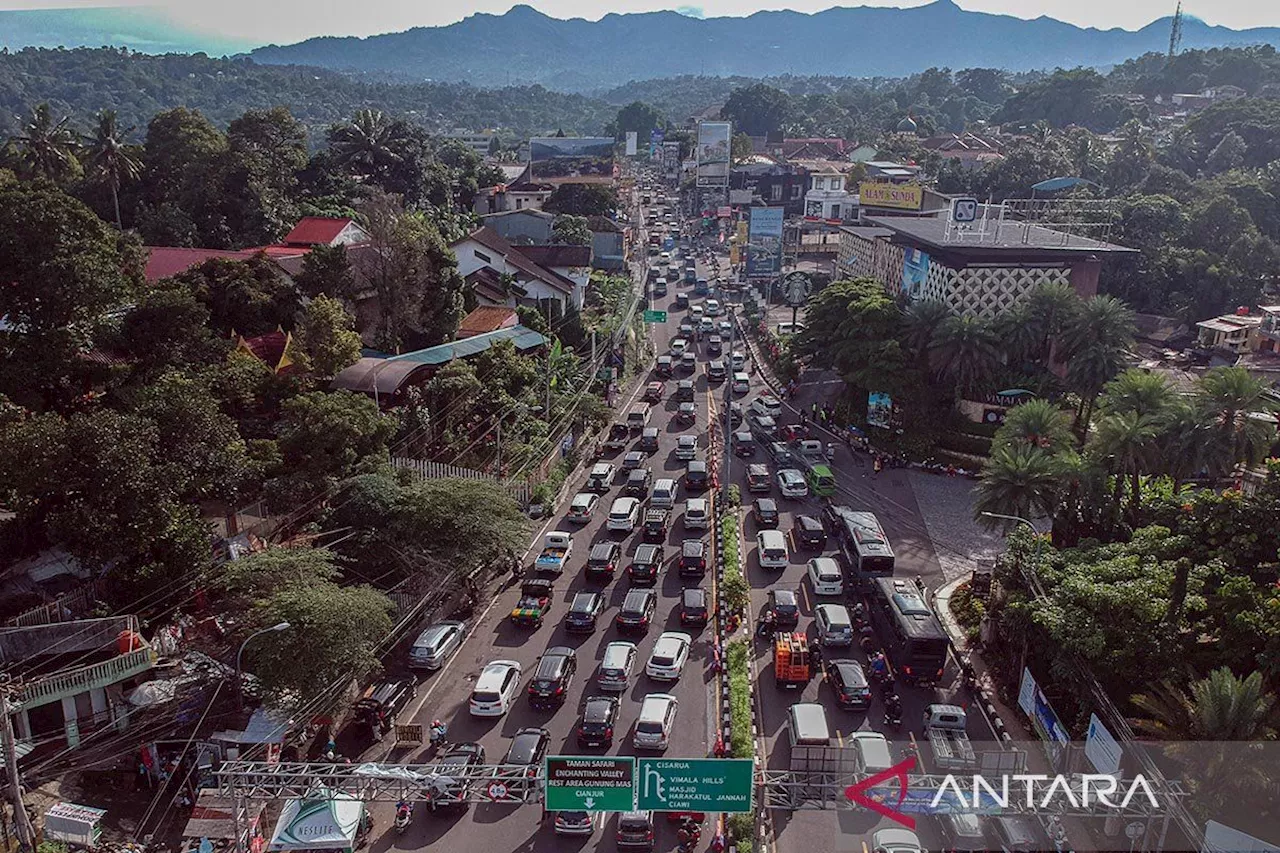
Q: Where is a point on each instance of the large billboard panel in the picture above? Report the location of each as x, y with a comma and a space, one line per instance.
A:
571, 158
713, 153
915, 270
671, 159
631, 143
898, 196
764, 242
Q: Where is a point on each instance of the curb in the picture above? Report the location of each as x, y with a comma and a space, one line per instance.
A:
942, 602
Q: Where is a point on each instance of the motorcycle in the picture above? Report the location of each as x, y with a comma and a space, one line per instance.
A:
404, 814
438, 735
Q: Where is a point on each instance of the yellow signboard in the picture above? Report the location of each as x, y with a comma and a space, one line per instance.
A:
900, 196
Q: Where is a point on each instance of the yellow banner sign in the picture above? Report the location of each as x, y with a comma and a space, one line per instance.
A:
900, 196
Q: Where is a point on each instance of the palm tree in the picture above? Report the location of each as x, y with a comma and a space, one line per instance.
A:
108, 157
964, 351
1221, 707
920, 325
1019, 480
1019, 334
1139, 392
47, 147
1228, 401
1182, 441
1038, 423
368, 143
1051, 307
1127, 442
1094, 342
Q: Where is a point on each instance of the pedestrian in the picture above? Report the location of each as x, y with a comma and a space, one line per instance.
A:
813, 407
831, 451
804, 417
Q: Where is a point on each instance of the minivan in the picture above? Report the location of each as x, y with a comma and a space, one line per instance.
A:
624, 515
638, 417
835, 628
741, 383
656, 721
435, 644
635, 831
648, 439
716, 371
664, 494
871, 750
771, 548
807, 725
616, 665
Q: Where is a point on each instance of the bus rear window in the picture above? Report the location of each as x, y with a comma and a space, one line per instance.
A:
877, 565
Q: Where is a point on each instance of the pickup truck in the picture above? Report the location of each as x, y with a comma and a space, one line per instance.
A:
535, 600
619, 435
556, 548
945, 727
810, 453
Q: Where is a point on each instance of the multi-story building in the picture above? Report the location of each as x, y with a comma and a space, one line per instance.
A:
1267, 334
1238, 332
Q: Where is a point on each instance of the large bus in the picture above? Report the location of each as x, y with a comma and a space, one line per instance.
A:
913, 639
862, 541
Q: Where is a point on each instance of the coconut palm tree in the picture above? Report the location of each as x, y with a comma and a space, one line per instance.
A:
108, 157
1094, 343
1038, 423
1139, 392
1229, 401
1126, 443
1051, 307
1019, 333
920, 322
964, 352
1182, 442
46, 146
368, 144
1221, 707
1019, 480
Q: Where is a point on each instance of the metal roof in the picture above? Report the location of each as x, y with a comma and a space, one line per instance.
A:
1001, 238
523, 337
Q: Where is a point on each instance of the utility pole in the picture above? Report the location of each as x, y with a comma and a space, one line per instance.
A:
21, 820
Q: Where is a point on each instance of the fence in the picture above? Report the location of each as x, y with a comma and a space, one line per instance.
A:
65, 608
428, 470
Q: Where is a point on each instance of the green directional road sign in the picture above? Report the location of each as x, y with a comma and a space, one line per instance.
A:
695, 784
594, 784
655, 316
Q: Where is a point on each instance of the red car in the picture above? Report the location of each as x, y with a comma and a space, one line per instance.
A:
653, 392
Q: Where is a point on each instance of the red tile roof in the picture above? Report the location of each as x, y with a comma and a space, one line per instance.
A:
316, 230
166, 261
487, 318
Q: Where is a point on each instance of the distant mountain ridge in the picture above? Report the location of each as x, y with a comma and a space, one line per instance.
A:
145, 29
526, 46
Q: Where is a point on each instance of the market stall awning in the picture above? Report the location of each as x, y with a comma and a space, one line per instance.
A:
326, 821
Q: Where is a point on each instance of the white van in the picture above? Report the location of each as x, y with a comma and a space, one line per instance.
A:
697, 515
664, 494
638, 417
771, 549
624, 515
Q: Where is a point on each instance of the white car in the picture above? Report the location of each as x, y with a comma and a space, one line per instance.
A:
741, 383
678, 346
695, 313
894, 840
737, 360
669, 655
713, 307
791, 484
656, 722
687, 447
624, 515
706, 326
616, 665
583, 507
495, 690
871, 751
726, 329
771, 549
825, 576
697, 515
785, 329
767, 404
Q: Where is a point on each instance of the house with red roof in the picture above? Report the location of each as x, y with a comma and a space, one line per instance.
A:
485, 319
325, 231
311, 231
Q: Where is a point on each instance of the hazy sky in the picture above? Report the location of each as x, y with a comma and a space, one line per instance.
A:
291, 20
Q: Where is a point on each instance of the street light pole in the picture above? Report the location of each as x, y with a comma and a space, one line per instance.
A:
280, 626
1028, 576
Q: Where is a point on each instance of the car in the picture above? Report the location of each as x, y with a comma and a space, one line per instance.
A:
833, 625
382, 701
758, 479
648, 439
637, 610
716, 371
624, 515
785, 329
536, 597
765, 512
786, 608
696, 476
706, 326
436, 644
601, 477
656, 722
654, 392
553, 677
767, 404
696, 313
679, 345
825, 576
687, 413
665, 365
741, 383
694, 610
894, 840
848, 681
495, 689
715, 346
635, 831
577, 823
687, 447
599, 715
780, 454
763, 426
633, 460
528, 748
693, 558
646, 564
737, 359
682, 300
735, 413
639, 481
684, 391
602, 561
725, 328
744, 444
583, 612
615, 666
655, 524
792, 484
771, 549
697, 514
669, 655
712, 307
583, 507
808, 532
689, 361
450, 790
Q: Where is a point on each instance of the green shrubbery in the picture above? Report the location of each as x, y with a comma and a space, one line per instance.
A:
741, 744
736, 592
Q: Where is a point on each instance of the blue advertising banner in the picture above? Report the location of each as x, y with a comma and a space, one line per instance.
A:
879, 409
764, 242
915, 269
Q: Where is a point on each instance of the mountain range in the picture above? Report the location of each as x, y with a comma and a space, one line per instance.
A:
145, 29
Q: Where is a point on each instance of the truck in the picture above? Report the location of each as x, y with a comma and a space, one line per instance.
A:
944, 725
556, 548
817, 469
810, 453
536, 596
619, 435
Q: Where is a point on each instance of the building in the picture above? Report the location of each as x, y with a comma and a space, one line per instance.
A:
480, 143
501, 274
1267, 334
608, 243
518, 192
813, 148
529, 227
486, 318
1239, 332
828, 197
967, 149
770, 184
982, 271
568, 260
309, 232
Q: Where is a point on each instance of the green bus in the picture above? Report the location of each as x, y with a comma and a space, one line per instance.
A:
821, 481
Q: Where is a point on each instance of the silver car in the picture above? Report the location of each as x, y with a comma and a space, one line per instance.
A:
436, 644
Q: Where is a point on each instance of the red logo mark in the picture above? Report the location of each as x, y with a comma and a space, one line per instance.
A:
857, 793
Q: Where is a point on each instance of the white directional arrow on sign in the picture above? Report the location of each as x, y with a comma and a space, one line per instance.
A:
589, 802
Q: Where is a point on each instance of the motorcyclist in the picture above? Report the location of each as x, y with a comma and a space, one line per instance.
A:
689, 834
438, 731
893, 707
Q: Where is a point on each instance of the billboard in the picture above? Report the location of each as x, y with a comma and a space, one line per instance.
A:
713, 153
655, 142
915, 269
879, 409
764, 242
571, 158
897, 196
631, 143
671, 158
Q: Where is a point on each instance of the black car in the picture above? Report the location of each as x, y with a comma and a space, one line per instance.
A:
696, 478
459, 757
682, 300
744, 443
735, 413
379, 705
808, 532
715, 345
693, 607
598, 718
552, 678
602, 562
635, 831
664, 366
583, 612
639, 481
848, 681
786, 610
637, 610
765, 512
684, 391
528, 748
654, 528
693, 558
648, 439
646, 564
